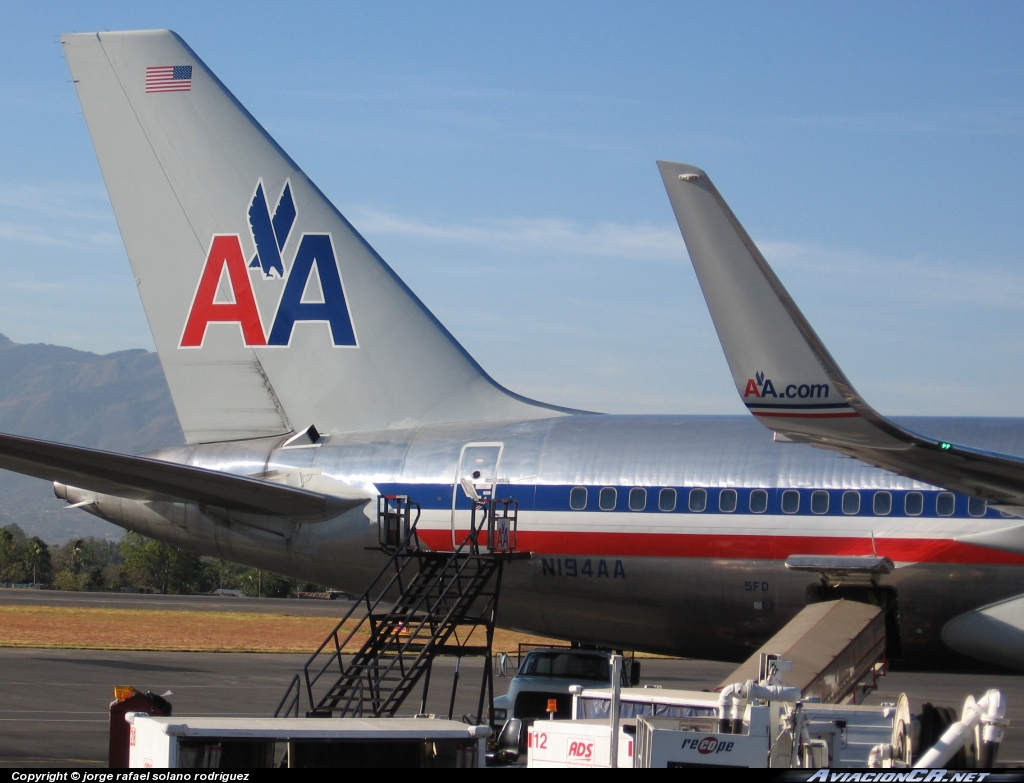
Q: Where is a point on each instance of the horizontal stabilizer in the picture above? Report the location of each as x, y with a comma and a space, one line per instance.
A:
785, 375
142, 478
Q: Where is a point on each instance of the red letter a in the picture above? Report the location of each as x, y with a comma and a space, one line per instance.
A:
225, 251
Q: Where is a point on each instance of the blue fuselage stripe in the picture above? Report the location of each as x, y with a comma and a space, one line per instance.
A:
556, 498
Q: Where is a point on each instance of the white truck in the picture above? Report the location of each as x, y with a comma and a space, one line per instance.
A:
254, 743
544, 680
753, 724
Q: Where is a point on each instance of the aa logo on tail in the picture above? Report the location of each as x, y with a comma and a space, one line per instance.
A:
313, 291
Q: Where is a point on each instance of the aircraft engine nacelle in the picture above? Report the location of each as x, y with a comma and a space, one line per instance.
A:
993, 633
287, 546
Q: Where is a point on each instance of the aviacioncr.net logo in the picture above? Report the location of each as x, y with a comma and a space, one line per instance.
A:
759, 386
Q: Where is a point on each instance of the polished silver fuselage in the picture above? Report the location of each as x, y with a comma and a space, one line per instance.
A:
701, 583
273, 317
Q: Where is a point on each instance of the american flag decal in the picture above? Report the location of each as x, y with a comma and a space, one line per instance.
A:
168, 78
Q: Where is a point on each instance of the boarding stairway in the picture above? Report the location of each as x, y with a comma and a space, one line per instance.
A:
422, 604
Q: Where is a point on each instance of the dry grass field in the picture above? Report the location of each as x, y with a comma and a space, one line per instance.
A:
119, 629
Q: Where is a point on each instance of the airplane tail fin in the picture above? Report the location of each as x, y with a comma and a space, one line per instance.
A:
269, 311
787, 378
783, 372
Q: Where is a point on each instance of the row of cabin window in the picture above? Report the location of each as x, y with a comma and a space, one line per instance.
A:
728, 500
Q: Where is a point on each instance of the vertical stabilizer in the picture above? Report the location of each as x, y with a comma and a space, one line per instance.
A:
269, 311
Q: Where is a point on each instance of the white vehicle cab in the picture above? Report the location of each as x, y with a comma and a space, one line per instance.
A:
545, 679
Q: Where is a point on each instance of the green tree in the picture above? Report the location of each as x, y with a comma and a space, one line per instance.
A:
264, 584
221, 574
23, 559
10, 557
37, 558
84, 564
157, 566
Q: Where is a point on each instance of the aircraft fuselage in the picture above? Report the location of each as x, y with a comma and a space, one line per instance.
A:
662, 533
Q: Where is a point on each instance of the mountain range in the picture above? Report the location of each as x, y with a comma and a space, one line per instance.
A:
115, 402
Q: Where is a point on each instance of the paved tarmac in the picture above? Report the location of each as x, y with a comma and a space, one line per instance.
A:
53, 703
53, 711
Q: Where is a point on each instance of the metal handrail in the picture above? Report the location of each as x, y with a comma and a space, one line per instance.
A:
424, 608
427, 616
370, 607
293, 705
415, 634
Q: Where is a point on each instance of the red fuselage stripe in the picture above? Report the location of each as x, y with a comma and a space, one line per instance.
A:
741, 547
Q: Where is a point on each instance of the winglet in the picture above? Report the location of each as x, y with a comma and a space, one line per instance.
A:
783, 373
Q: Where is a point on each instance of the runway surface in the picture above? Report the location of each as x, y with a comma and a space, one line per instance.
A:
54, 707
184, 603
53, 703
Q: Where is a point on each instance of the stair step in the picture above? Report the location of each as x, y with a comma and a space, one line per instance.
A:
424, 622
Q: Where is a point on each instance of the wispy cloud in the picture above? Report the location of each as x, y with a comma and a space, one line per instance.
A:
555, 235
933, 279
438, 109
32, 234
1004, 118
64, 199
56, 215
437, 89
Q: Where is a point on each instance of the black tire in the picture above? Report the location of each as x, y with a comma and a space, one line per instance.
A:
934, 721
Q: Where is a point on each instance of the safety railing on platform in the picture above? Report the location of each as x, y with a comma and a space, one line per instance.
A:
435, 592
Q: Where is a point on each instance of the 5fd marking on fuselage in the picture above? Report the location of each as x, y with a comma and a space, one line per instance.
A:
312, 292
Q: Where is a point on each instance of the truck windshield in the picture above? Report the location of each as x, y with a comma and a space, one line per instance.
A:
599, 708
573, 665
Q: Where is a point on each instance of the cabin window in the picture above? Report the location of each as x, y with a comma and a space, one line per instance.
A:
727, 500
606, 500
637, 499
851, 502
758, 501
882, 503
945, 504
976, 507
913, 504
790, 501
819, 502
578, 498
698, 500
667, 499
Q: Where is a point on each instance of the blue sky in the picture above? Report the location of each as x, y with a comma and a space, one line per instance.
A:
873, 150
